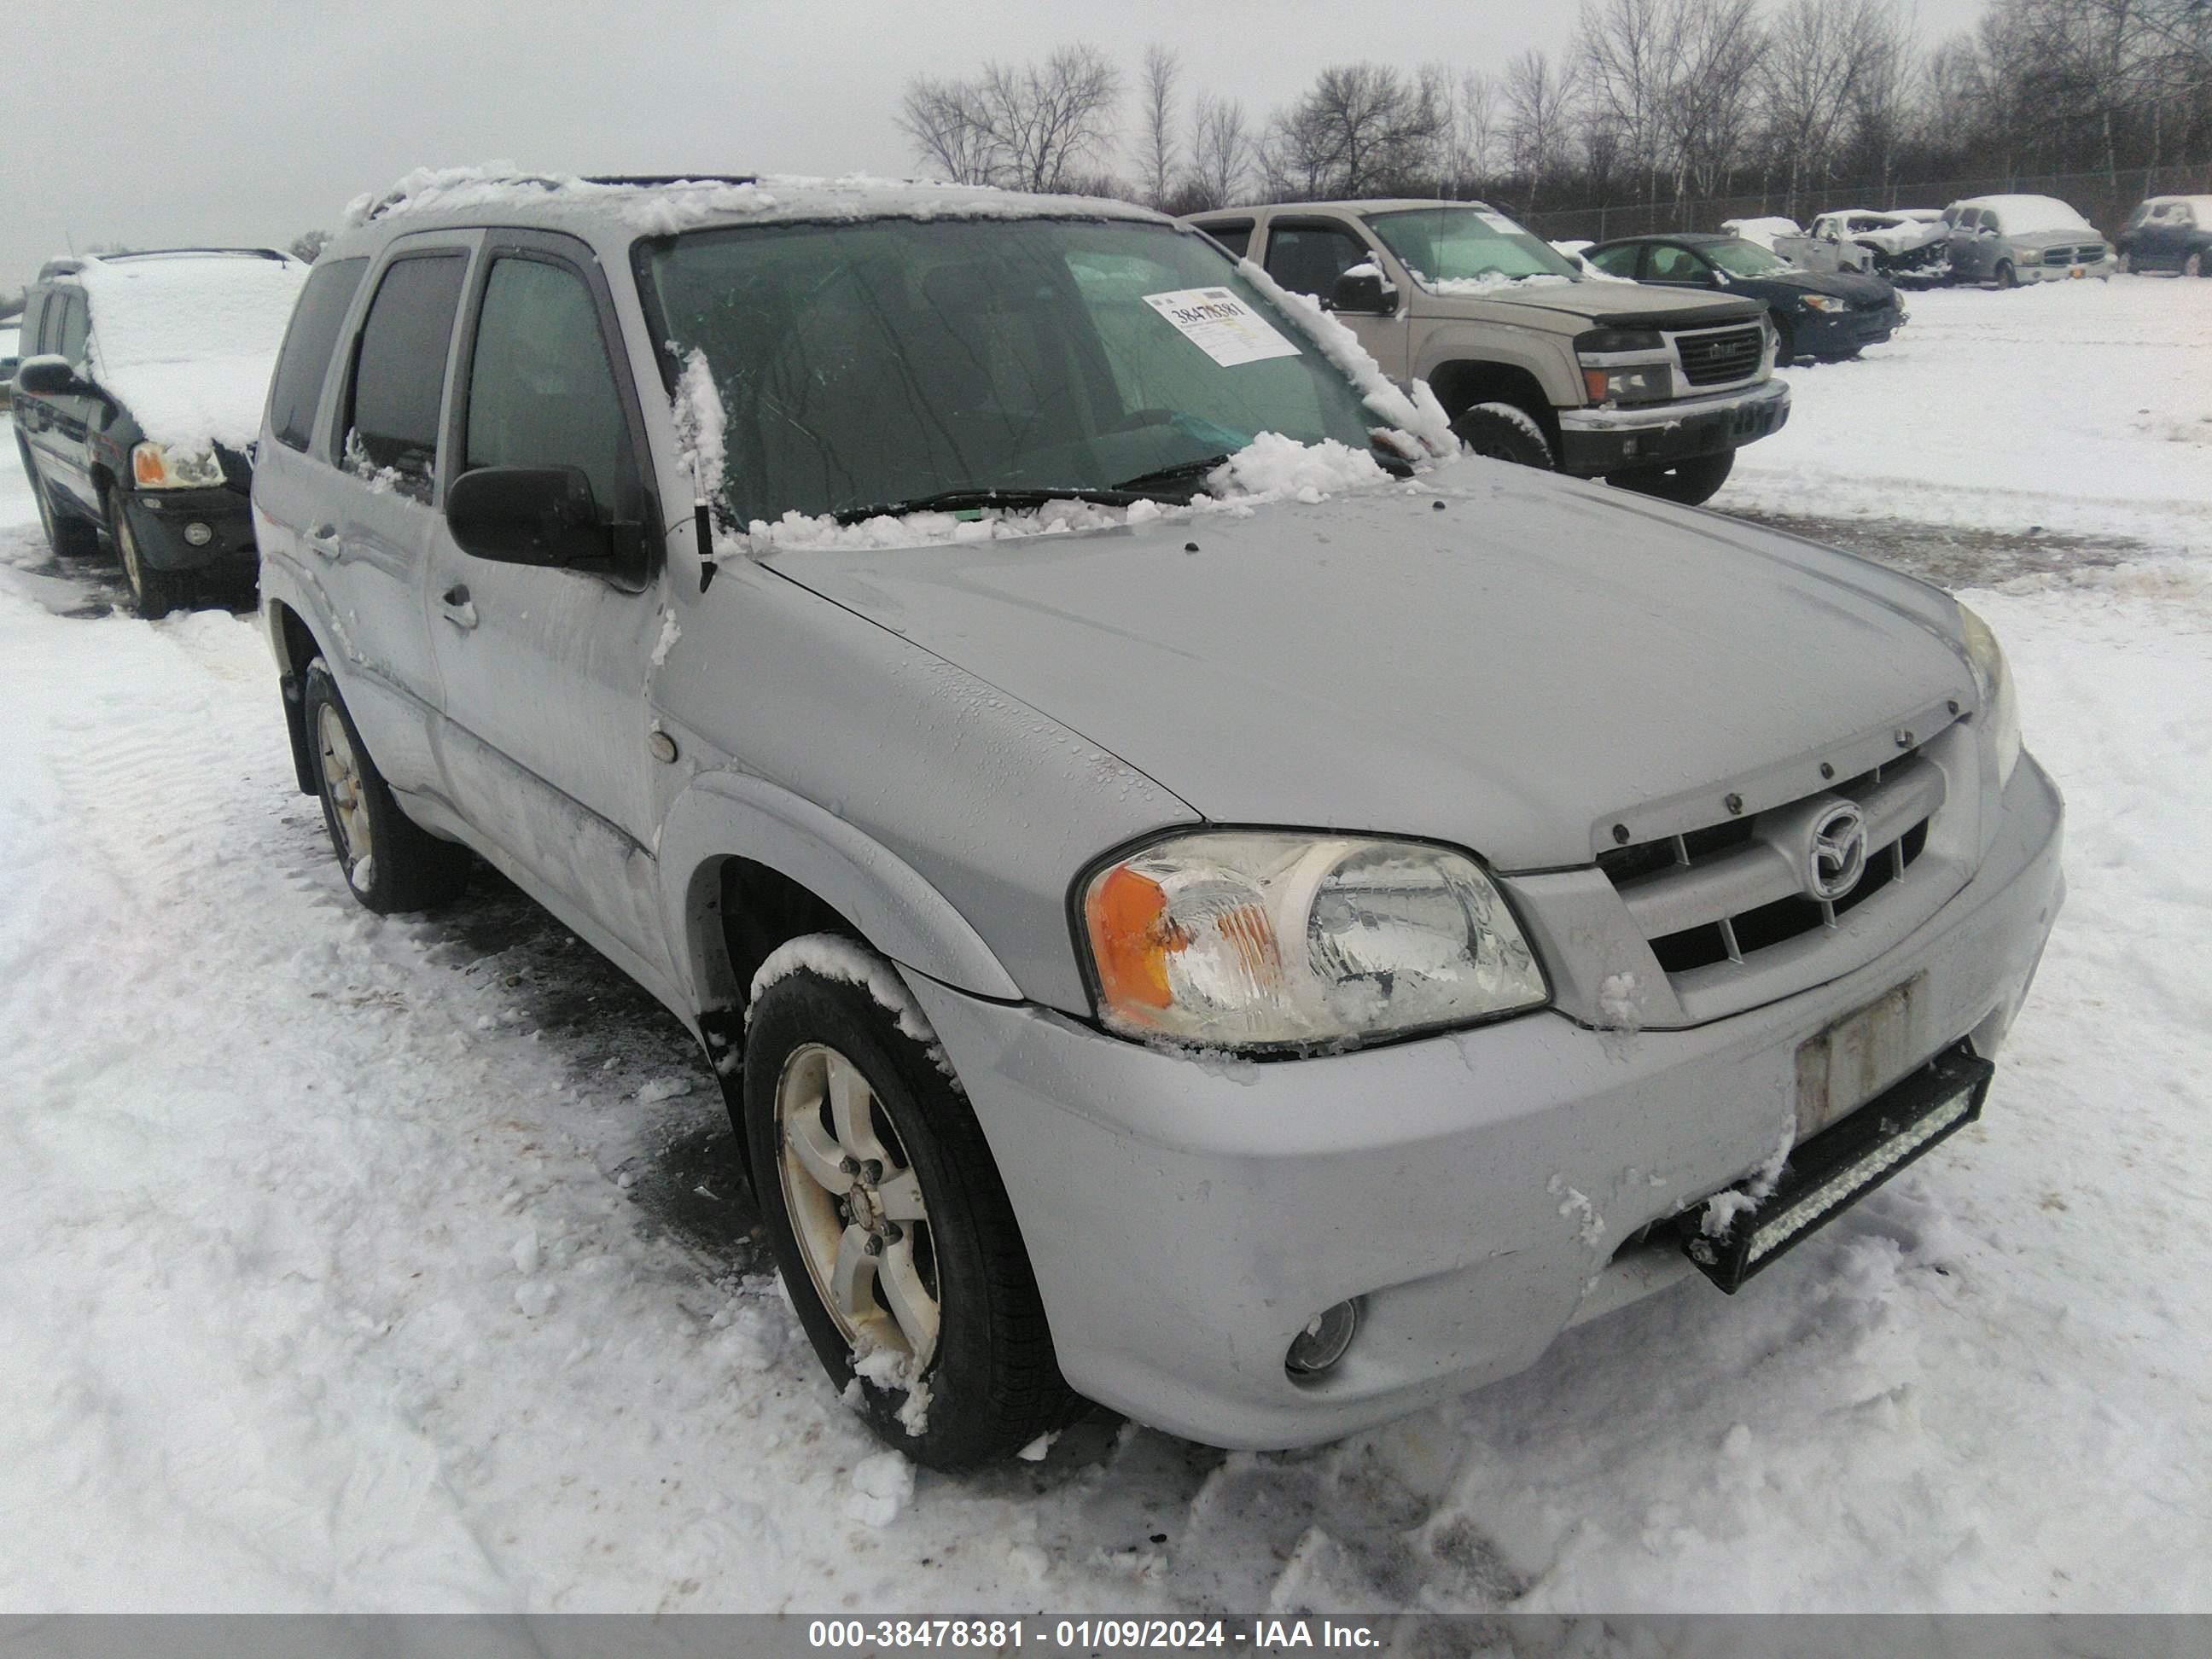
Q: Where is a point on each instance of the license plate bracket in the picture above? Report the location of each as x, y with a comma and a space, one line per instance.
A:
1828, 1174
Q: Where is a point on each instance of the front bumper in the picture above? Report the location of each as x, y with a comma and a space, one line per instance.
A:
1595, 441
160, 520
2064, 273
1825, 334
1187, 1218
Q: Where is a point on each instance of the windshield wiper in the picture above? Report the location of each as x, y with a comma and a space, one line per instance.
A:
959, 500
1181, 471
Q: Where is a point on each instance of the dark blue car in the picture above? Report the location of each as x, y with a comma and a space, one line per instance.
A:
1829, 315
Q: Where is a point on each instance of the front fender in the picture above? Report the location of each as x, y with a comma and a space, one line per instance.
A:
726, 814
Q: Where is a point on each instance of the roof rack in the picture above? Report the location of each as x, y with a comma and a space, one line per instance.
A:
155, 253
658, 180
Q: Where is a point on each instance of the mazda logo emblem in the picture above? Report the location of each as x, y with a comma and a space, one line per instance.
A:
1835, 857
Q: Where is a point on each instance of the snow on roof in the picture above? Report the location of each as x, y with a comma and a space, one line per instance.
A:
663, 206
2022, 216
187, 341
1762, 231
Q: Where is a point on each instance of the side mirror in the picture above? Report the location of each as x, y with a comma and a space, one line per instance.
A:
537, 515
50, 375
1362, 290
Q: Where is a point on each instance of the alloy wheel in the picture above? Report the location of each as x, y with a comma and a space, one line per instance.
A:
856, 1207
341, 783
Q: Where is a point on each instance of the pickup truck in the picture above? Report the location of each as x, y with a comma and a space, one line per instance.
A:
1536, 360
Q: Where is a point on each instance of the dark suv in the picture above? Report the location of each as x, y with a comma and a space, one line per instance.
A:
137, 399
2169, 232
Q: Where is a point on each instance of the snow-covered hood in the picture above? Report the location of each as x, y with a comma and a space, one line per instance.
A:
2063, 236
1504, 672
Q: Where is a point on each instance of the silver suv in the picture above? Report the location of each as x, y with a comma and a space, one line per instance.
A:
1537, 360
1197, 901
2011, 240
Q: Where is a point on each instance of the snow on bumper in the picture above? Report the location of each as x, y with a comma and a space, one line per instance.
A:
1186, 1218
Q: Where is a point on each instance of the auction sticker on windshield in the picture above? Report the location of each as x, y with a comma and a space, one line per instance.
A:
1221, 325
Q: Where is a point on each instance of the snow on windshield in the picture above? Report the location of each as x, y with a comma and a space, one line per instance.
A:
188, 341
2026, 215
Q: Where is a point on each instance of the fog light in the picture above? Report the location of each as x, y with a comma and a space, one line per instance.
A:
199, 534
1322, 1343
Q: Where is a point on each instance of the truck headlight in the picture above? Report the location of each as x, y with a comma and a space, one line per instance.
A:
1645, 383
2000, 701
2028, 256
153, 467
1257, 939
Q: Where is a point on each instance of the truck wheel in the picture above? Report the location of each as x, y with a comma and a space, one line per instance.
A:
2007, 277
2124, 263
1691, 482
154, 592
2194, 265
391, 863
1504, 432
1785, 343
70, 538
896, 1241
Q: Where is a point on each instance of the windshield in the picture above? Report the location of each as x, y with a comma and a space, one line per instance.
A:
1744, 258
883, 363
1467, 245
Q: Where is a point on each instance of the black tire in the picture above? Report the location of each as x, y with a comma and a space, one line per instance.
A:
69, 536
154, 592
2194, 265
2124, 263
1785, 343
2006, 276
406, 867
993, 1381
1691, 482
1504, 432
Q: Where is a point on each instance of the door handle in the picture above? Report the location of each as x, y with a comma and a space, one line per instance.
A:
457, 607
323, 539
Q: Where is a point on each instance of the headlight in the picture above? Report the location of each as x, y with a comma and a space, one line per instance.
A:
1646, 383
2028, 256
1827, 302
1260, 939
154, 468
2000, 702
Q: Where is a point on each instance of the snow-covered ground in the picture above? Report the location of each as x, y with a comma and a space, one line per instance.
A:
394, 1265
2082, 407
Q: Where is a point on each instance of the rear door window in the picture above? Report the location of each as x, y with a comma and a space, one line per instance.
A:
399, 372
541, 390
1235, 235
1619, 261
1308, 258
309, 344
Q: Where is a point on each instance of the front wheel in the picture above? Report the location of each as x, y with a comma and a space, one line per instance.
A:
2007, 277
1785, 343
391, 862
1691, 482
1504, 432
155, 593
2124, 264
896, 1238
2194, 265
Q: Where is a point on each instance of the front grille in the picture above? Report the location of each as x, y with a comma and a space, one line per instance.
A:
1721, 355
1726, 892
2088, 254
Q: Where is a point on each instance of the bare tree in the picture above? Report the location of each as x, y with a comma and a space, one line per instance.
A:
1707, 118
1220, 153
1159, 153
1470, 146
1028, 126
1623, 59
1538, 99
1360, 129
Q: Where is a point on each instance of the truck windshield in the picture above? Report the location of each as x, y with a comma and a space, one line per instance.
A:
1467, 244
890, 363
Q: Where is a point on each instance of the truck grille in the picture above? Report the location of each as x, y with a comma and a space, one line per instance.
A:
1720, 355
1726, 892
2087, 254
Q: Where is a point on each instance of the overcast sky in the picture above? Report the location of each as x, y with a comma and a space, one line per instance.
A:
150, 122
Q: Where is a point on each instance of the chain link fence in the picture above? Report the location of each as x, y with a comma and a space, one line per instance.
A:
2101, 197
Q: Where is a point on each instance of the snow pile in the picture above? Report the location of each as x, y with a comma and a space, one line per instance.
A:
701, 425
1762, 231
1475, 286
1272, 467
188, 341
2127, 451
883, 1486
